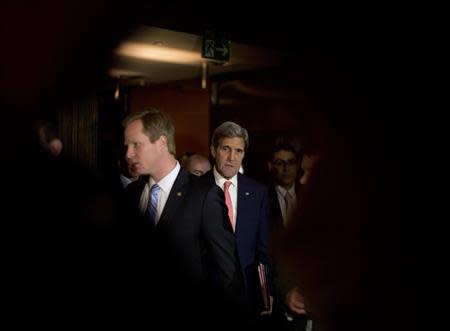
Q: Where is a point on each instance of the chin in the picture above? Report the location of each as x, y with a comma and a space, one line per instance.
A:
229, 174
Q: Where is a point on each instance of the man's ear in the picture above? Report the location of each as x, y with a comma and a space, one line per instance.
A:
163, 140
269, 166
213, 151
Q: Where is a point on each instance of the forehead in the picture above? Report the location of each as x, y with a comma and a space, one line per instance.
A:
284, 155
199, 166
135, 131
197, 162
134, 127
235, 142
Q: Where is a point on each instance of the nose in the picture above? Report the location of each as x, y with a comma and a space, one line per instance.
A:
129, 152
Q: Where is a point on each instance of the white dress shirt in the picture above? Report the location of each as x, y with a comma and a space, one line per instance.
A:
166, 185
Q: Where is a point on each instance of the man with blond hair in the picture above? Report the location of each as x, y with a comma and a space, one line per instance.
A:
184, 245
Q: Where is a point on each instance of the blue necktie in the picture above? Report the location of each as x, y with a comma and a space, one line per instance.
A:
152, 206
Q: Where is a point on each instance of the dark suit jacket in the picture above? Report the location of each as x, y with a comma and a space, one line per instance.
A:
281, 280
252, 231
190, 257
276, 218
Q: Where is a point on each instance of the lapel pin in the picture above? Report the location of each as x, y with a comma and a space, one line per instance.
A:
179, 194
246, 193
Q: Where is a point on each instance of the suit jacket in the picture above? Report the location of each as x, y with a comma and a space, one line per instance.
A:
282, 282
276, 217
252, 231
190, 257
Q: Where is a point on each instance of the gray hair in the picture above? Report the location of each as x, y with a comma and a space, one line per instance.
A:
229, 130
156, 124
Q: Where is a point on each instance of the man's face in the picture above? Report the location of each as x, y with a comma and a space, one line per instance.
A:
199, 167
308, 164
284, 168
140, 152
228, 156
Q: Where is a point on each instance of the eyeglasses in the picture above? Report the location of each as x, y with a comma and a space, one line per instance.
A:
285, 163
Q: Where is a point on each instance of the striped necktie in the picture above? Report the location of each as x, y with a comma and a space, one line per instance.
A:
153, 203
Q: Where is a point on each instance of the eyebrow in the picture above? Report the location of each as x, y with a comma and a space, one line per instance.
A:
290, 159
236, 148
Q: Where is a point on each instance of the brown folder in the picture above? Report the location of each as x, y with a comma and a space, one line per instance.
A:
264, 285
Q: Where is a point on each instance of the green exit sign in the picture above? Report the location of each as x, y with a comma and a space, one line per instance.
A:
215, 47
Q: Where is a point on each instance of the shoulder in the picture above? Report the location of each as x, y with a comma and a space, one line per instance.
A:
133, 191
206, 181
250, 183
208, 177
202, 184
137, 185
272, 191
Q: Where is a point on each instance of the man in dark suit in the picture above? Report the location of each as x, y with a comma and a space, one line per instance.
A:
247, 201
184, 250
284, 165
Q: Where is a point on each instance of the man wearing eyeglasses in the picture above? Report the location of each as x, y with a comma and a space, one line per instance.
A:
283, 167
289, 312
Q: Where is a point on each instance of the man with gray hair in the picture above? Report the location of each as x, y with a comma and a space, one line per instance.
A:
247, 203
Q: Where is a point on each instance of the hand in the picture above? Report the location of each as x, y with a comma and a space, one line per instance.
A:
295, 301
269, 311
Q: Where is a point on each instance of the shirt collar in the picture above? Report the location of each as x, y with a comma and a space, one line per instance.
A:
167, 182
220, 180
282, 190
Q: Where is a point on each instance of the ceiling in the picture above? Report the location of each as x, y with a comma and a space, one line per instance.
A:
272, 36
159, 55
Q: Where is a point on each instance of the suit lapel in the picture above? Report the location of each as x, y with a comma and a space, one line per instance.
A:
210, 176
243, 207
275, 209
176, 197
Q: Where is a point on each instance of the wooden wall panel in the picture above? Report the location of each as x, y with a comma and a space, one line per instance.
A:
188, 109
